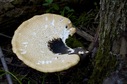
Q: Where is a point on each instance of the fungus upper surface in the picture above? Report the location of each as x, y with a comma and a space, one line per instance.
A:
40, 43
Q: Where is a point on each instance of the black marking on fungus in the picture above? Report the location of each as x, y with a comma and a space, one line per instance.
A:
66, 26
57, 46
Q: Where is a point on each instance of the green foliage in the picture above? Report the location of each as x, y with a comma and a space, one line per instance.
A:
67, 10
51, 6
5, 72
47, 2
86, 18
54, 7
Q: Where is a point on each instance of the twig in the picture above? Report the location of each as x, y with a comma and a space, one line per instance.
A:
5, 35
94, 40
93, 47
5, 67
85, 35
16, 65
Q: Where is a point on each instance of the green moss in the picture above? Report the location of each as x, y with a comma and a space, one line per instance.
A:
105, 63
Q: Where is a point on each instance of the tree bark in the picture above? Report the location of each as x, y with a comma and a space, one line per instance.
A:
111, 41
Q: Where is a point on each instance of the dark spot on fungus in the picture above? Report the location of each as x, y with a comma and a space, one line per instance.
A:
57, 46
66, 26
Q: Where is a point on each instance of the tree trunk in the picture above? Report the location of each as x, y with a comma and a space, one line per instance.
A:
112, 42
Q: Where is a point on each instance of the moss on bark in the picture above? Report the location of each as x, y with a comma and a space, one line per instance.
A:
112, 21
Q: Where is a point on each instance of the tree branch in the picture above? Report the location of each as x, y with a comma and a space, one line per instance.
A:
85, 35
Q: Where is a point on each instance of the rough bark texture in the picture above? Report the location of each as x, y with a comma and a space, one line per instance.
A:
111, 42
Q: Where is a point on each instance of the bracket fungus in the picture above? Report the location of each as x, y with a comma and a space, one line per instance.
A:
40, 43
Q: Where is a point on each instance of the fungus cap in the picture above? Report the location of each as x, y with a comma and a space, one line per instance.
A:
31, 43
